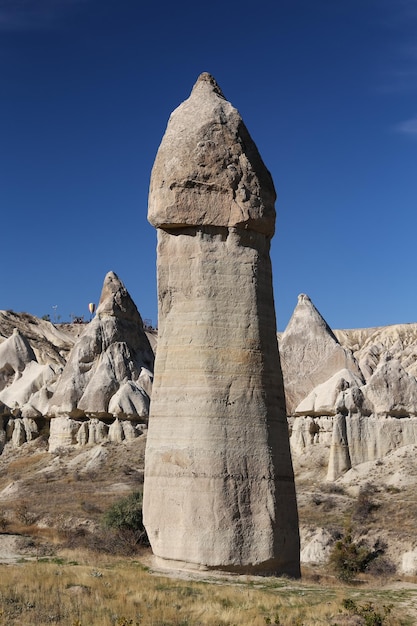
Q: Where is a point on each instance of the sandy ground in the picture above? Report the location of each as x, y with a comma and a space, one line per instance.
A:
10, 548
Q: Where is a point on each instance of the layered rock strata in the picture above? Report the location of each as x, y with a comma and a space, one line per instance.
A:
219, 487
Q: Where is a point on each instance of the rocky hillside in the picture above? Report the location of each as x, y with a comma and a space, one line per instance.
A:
74, 402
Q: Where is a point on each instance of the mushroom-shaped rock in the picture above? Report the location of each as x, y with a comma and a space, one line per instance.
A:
219, 486
113, 350
310, 353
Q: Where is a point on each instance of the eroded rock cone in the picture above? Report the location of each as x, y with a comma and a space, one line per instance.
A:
113, 350
219, 487
310, 353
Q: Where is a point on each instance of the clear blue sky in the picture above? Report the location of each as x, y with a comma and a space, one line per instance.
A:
327, 90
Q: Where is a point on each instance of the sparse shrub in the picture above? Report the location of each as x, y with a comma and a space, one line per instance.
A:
364, 504
126, 513
349, 558
3, 520
370, 615
125, 517
381, 567
333, 488
24, 515
326, 503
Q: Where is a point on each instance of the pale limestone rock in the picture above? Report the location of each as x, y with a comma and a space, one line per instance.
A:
358, 439
310, 353
97, 431
316, 545
29, 411
370, 345
145, 380
208, 171
31, 380
391, 390
219, 488
116, 431
130, 401
322, 400
339, 461
19, 433
15, 354
82, 434
409, 563
309, 431
112, 351
50, 344
352, 400
129, 431
62, 433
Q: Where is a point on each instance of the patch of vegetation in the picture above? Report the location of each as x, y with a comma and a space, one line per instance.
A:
125, 518
349, 558
370, 615
365, 504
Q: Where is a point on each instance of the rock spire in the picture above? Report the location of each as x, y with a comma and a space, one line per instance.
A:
219, 488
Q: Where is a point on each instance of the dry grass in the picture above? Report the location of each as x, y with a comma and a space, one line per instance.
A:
85, 588
79, 591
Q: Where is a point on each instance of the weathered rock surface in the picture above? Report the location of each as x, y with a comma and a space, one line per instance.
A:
112, 352
219, 489
108, 374
213, 174
15, 354
310, 353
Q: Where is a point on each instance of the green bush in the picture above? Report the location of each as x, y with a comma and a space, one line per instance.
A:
125, 517
349, 558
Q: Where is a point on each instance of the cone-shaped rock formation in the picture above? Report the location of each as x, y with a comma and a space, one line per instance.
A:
310, 353
219, 488
113, 350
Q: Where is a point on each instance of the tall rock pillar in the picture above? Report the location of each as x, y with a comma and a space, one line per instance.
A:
219, 486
